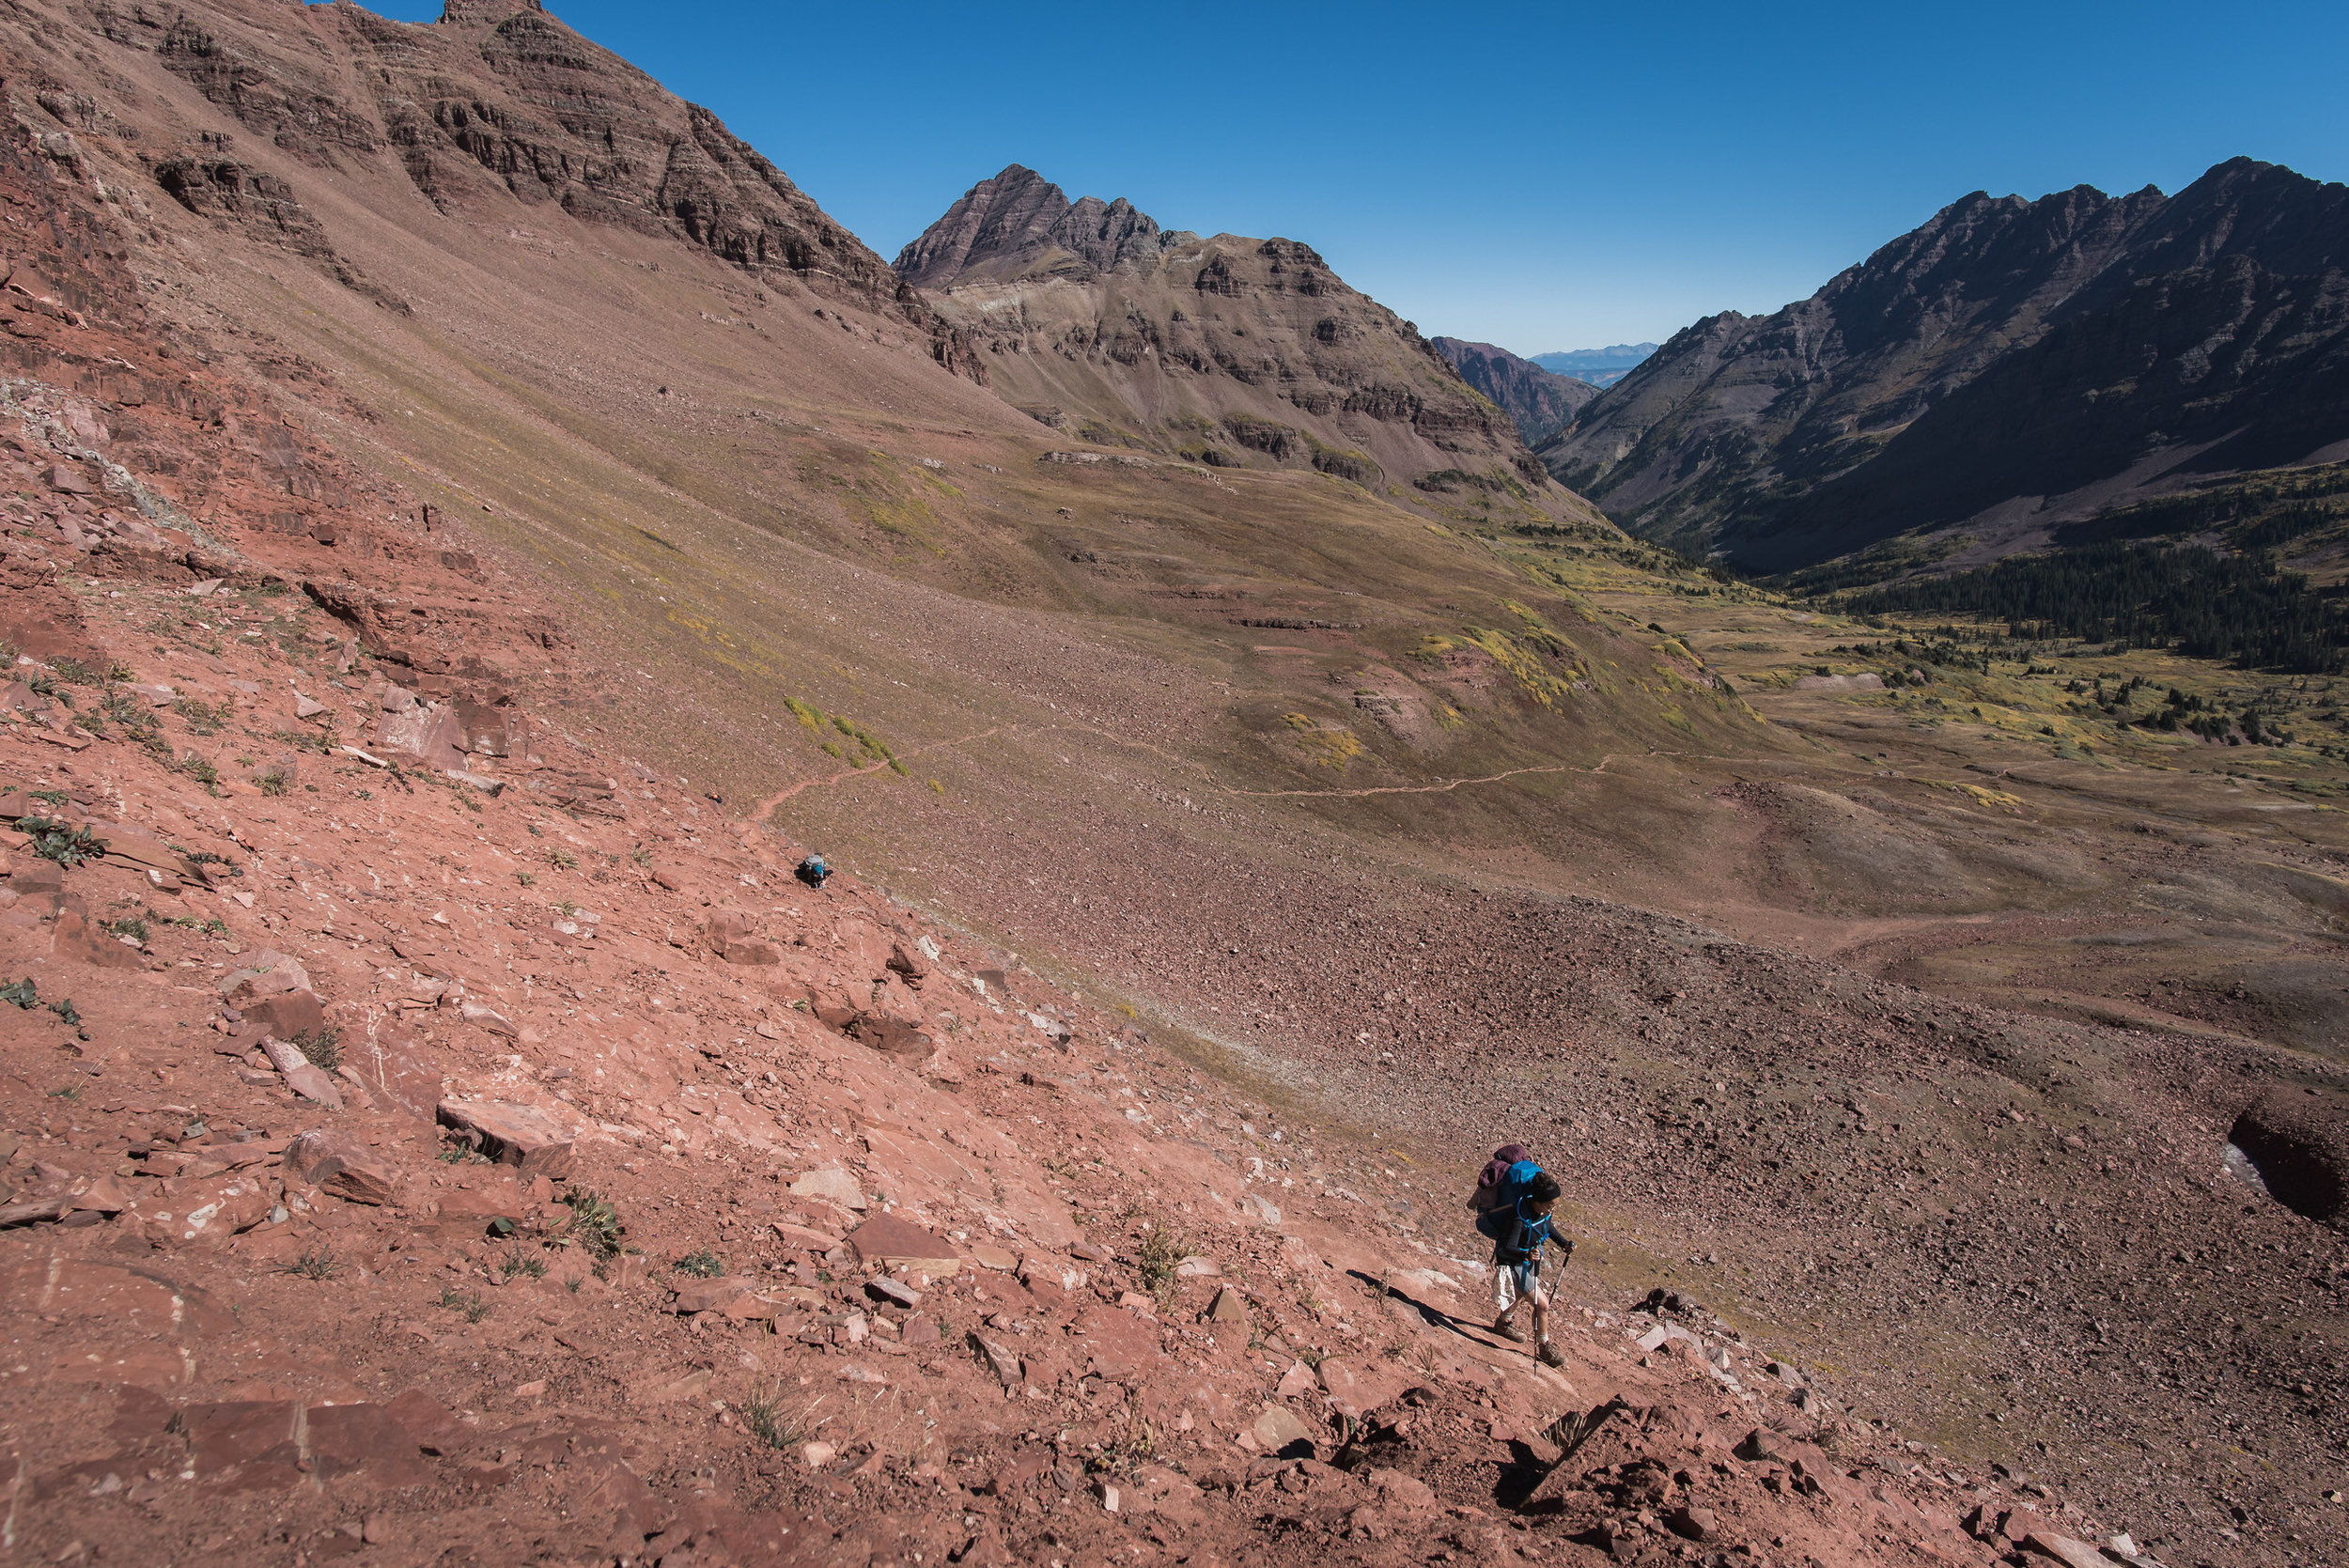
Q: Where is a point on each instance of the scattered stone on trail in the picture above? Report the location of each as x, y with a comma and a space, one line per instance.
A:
1297, 1383
512, 1134
1259, 1208
882, 1288
312, 1083
832, 1184
990, 1256
1694, 1522
1227, 1306
999, 1359
704, 1296
733, 936
2063, 1550
1279, 1428
341, 1167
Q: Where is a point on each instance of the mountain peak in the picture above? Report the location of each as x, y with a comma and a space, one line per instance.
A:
1019, 223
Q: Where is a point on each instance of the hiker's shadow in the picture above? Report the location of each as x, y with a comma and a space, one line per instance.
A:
1434, 1317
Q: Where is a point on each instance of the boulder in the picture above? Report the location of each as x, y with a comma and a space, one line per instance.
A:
1694, 1522
890, 1036
483, 729
512, 1134
428, 733
475, 1208
1355, 1389
1297, 1382
340, 1166
908, 961
266, 972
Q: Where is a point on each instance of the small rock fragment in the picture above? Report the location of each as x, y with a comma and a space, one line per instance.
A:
882, 1288
998, 1357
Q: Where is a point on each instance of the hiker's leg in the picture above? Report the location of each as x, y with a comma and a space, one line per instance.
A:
1544, 1350
1506, 1296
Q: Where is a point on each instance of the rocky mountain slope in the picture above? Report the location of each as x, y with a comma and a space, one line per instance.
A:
1541, 402
1234, 351
1351, 835
2009, 366
426, 1132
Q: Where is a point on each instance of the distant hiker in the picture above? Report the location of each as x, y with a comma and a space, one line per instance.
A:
813, 871
1515, 1211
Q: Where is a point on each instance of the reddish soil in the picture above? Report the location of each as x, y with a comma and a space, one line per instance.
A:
1998, 1244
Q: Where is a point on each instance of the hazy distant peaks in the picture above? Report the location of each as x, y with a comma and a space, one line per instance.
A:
1598, 367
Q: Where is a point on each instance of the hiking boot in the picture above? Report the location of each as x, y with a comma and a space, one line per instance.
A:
1550, 1355
1506, 1328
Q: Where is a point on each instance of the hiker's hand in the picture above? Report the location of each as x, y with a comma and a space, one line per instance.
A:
1565, 1251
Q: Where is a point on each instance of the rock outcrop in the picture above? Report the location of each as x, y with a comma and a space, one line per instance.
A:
1231, 351
1020, 225
496, 103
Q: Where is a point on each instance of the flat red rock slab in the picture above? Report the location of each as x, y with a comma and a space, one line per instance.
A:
224, 1435
366, 1438
1120, 1346
889, 1241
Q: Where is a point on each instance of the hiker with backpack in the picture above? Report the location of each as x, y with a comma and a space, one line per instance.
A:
1512, 1200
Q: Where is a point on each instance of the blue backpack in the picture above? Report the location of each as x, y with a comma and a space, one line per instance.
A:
1495, 1221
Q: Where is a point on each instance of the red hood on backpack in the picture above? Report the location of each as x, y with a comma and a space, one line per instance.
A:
1494, 1170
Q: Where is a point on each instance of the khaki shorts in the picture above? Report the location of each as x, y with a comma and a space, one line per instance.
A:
1514, 1281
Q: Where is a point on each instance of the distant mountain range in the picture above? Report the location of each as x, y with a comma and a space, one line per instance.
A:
2008, 369
1234, 351
1541, 402
1601, 367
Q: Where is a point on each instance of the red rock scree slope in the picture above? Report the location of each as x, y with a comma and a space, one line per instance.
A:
428, 1140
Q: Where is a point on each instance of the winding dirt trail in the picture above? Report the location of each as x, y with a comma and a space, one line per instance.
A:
766, 808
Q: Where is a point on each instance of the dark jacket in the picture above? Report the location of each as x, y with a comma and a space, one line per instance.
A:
1523, 1238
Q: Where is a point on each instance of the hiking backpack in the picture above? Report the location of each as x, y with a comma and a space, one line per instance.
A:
1501, 1210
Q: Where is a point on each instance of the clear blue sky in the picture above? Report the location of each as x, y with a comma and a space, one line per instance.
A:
1538, 176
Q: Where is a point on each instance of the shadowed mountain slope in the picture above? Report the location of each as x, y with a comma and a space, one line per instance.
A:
1542, 402
2008, 366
